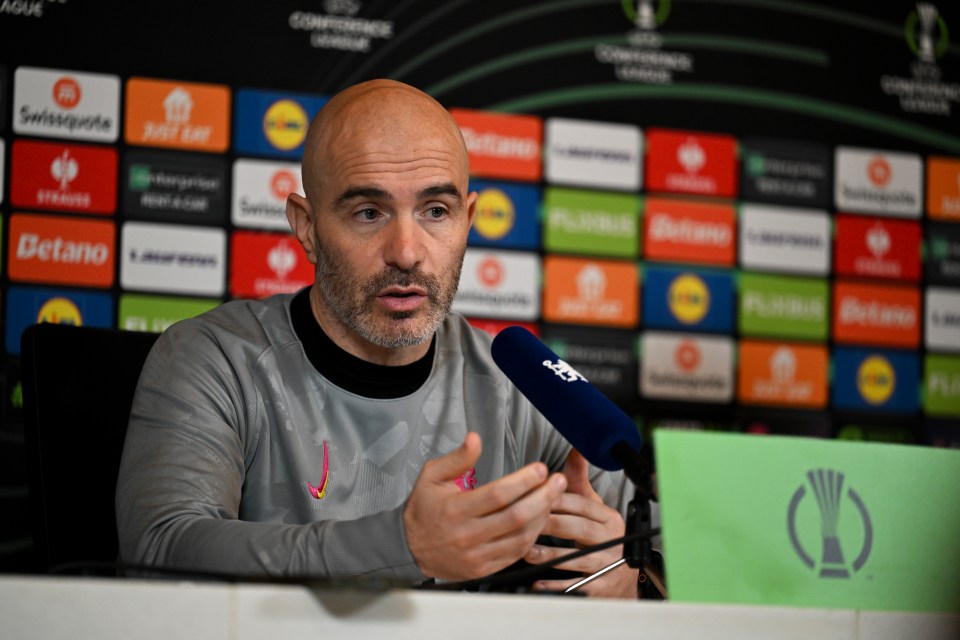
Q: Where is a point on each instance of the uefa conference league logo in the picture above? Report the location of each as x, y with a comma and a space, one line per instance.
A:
827, 487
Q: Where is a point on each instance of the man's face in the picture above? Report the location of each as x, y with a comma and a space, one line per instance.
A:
390, 232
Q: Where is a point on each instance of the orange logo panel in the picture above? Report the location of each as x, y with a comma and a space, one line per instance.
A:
685, 231
182, 115
502, 146
943, 188
879, 315
792, 375
60, 250
595, 292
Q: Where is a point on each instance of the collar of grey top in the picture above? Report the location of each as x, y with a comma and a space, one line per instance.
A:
348, 371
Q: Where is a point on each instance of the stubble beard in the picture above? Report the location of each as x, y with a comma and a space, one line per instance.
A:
353, 301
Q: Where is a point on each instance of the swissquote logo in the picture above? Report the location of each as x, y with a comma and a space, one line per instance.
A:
53, 103
499, 284
260, 190
834, 533
878, 181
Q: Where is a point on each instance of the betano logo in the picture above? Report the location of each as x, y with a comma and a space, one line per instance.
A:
58, 250
495, 215
876, 380
688, 298
876, 314
689, 231
285, 124
67, 93
59, 310
502, 146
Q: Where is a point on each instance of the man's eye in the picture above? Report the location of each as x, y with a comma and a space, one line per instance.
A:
436, 212
368, 214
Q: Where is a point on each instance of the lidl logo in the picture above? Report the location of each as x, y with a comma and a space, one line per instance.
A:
272, 123
674, 298
875, 380
285, 124
507, 215
28, 305
688, 299
495, 215
60, 311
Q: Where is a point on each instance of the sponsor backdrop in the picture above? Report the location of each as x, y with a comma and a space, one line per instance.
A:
728, 215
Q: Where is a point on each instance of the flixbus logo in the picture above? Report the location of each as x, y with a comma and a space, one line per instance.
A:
844, 544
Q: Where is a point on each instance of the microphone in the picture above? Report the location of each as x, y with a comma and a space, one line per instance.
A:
595, 426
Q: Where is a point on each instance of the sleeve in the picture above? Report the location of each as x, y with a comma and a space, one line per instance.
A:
182, 473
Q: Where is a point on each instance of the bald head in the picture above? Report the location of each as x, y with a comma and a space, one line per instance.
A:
381, 119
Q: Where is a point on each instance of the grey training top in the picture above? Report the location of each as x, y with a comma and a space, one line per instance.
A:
232, 430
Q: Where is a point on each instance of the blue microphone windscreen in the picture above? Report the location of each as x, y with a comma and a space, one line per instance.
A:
589, 420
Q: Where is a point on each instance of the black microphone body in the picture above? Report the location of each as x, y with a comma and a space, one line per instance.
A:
595, 426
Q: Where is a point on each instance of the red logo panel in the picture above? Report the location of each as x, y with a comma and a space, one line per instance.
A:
689, 162
874, 314
502, 146
61, 250
262, 264
64, 177
877, 248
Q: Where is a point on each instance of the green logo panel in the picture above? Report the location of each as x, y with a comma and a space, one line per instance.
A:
156, 313
784, 307
941, 385
592, 223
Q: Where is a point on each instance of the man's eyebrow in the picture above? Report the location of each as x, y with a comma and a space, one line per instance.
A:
354, 193
448, 189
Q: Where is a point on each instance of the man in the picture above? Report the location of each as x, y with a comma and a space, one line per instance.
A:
356, 428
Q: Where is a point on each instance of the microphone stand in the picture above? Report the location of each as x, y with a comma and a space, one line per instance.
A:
637, 554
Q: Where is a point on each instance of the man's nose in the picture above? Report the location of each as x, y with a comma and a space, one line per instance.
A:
404, 243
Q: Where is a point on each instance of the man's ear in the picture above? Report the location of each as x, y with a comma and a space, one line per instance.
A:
472, 198
301, 223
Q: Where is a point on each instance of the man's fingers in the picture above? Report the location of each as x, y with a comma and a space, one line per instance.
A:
454, 464
577, 471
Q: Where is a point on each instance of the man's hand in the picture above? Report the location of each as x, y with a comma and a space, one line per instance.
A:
460, 535
580, 515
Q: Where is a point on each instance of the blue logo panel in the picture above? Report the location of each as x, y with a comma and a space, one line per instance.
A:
272, 123
678, 298
29, 305
508, 216
876, 380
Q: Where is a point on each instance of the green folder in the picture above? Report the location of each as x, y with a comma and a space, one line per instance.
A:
750, 519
